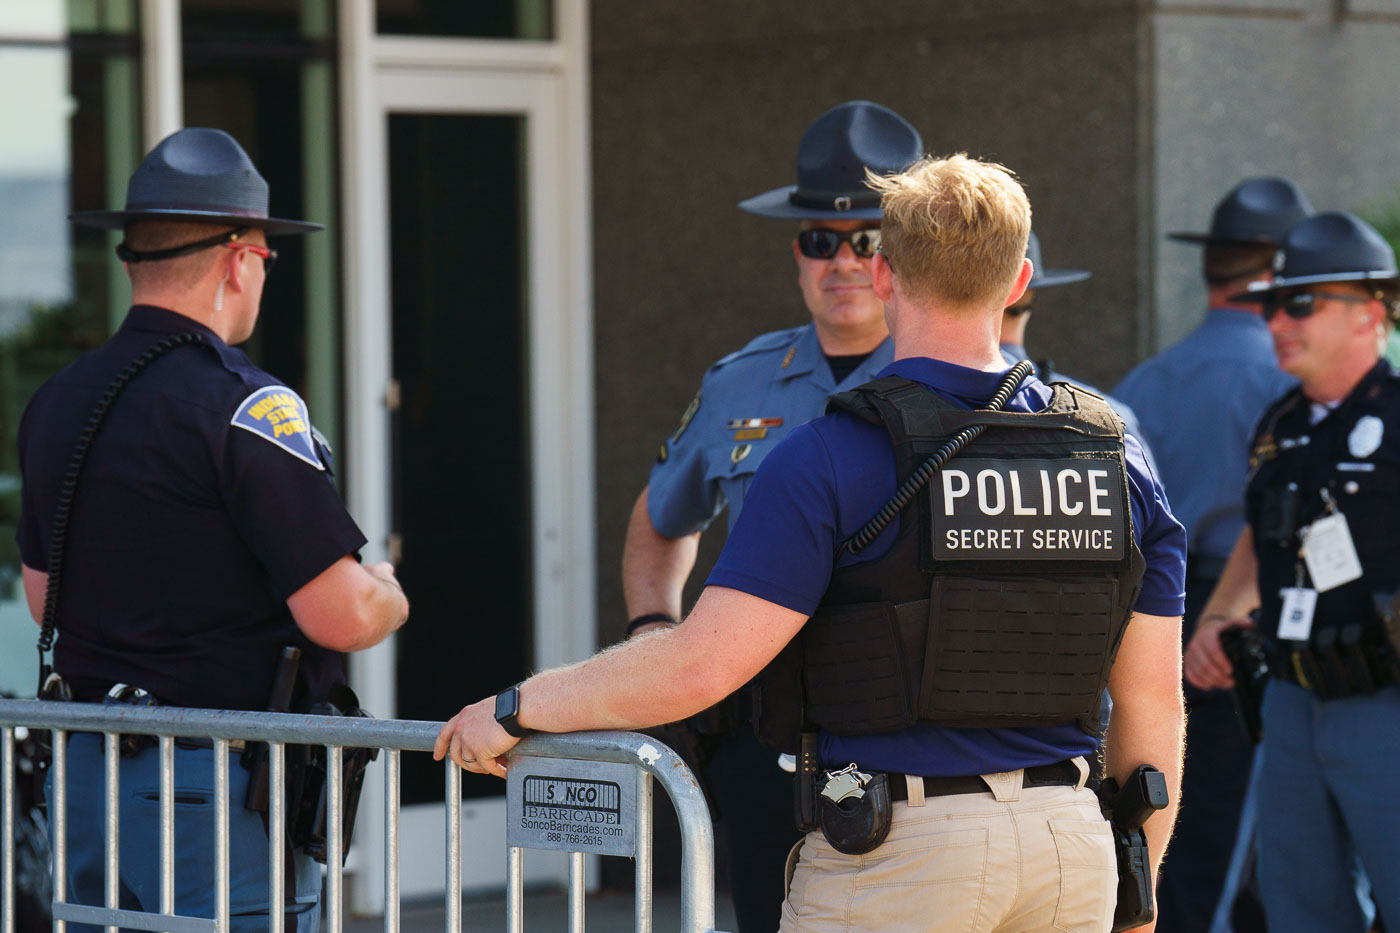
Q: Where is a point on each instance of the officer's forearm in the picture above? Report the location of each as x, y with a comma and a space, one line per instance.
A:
1238, 590
349, 607
35, 583
654, 567
666, 675
1148, 723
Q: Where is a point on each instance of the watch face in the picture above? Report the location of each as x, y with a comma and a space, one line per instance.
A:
507, 704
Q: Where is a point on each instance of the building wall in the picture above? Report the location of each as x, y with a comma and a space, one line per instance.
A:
697, 106
1303, 88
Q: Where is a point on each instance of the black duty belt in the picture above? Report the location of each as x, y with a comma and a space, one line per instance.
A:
1060, 774
1331, 670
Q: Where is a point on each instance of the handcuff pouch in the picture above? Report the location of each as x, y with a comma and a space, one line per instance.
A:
856, 826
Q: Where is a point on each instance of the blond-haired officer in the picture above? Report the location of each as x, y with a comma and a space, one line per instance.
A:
954, 793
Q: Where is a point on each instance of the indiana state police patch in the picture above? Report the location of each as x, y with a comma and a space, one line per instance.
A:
277, 414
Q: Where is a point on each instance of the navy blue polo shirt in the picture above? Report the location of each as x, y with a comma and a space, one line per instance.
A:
203, 505
829, 477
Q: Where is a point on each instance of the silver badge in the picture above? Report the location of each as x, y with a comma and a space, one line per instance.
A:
1365, 437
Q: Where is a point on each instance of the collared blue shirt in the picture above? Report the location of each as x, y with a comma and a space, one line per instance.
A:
829, 477
196, 516
1198, 402
710, 461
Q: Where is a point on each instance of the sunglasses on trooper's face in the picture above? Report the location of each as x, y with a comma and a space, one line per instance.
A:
819, 243
1302, 304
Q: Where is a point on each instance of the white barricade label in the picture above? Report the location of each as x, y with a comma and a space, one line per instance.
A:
573, 806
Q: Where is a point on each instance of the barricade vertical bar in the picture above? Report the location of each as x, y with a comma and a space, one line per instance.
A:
276, 836
112, 799
167, 824
7, 830
576, 892
515, 890
335, 879
644, 853
221, 855
59, 812
454, 846
391, 841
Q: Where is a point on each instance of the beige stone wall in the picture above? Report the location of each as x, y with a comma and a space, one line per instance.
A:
1303, 88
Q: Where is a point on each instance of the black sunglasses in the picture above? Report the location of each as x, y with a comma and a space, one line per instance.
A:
819, 243
1302, 304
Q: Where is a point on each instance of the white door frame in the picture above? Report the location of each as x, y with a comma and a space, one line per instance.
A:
546, 82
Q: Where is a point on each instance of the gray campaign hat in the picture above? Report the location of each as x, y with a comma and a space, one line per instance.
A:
1333, 246
1257, 212
1048, 278
832, 158
196, 175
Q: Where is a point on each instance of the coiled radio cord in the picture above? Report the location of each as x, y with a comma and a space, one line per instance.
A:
910, 488
63, 510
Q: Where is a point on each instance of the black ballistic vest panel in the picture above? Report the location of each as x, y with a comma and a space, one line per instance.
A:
1007, 590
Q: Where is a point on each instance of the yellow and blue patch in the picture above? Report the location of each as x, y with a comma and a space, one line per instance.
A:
277, 414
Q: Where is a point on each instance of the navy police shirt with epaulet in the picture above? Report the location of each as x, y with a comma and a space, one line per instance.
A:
826, 481
1344, 459
205, 502
748, 402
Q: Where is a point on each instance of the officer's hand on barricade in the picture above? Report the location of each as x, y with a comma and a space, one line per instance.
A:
474, 740
1205, 664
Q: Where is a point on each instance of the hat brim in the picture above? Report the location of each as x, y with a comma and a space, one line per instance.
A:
1209, 239
777, 203
1257, 295
116, 220
1049, 278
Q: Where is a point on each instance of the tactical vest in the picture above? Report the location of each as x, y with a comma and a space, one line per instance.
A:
1005, 595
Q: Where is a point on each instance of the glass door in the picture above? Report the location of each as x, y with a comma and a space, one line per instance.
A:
482, 453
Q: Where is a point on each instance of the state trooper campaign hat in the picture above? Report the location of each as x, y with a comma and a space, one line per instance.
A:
1047, 278
1256, 212
832, 158
1333, 246
196, 175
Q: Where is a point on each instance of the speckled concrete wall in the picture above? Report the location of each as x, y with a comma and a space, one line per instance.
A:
699, 105
1303, 88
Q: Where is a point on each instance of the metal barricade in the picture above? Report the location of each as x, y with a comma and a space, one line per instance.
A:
560, 755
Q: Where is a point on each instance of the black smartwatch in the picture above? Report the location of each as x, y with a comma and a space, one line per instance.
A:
508, 711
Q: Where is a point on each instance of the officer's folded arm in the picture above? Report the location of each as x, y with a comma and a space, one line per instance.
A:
654, 567
1149, 721
349, 607
657, 678
35, 582
346, 607
1234, 596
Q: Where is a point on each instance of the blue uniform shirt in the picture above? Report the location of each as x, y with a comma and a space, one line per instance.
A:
1198, 402
203, 505
709, 462
828, 478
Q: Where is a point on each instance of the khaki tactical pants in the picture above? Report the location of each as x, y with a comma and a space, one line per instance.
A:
1012, 860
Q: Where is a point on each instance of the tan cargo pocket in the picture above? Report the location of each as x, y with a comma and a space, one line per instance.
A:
1088, 875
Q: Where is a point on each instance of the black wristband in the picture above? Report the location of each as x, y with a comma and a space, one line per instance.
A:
647, 619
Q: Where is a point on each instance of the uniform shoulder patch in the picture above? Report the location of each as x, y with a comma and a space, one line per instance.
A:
278, 415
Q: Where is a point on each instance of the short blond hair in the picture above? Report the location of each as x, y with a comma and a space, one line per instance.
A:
954, 229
